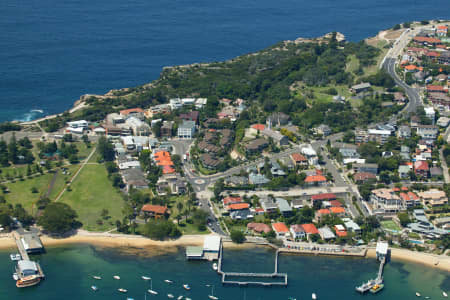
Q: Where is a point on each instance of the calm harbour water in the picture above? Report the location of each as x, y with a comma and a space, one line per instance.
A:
51, 52
69, 270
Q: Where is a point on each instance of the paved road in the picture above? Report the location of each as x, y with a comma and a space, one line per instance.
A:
412, 93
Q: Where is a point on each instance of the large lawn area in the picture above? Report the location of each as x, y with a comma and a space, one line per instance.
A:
91, 193
20, 191
390, 225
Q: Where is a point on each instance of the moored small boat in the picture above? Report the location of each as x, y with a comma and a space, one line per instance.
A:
130, 298
214, 266
186, 287
152, 292
180, 297
168, 281
15, 257
444, 294
94, 287
28, 281
418, 294
145, 277
213, 297
170, 296
122, 290
97, 277
116, 277
313, 296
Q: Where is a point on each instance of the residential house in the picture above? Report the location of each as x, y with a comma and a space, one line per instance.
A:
340, 230
321, 214
257, 179
379, 136
284, 207
237, 206
259, 228
310, 229
409, 199
297, 232
133, 112
362, 87
348, 151
338, 211
277, 137
366, 168
351, 225
269, 206
386, 201
326, 233
315, 180
404, 152
430, 113
137, 126
297, 203
190, 116
364, 177
200, 102
436, 89
323, 129
404, 132
175, 103
236, 181
421, 168
134, 177
209, 161
403, 171
231, 200
436, 172
154, 211
166, 129
443, 121
256, 145
426, 40
323, 197
444, 58
280, 229
310, 154
442, 30
299, 160
186, 130
433, 197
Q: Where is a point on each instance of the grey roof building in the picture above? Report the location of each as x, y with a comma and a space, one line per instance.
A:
277, 137
326, 233
283, 206
257, 179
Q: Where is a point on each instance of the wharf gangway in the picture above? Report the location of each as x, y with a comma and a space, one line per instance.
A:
273, 275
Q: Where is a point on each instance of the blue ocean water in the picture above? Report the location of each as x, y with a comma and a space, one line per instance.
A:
51, 52
69, 272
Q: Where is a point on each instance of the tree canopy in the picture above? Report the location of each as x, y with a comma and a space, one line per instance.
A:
58, 218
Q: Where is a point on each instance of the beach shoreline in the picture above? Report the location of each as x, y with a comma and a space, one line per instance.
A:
144, 246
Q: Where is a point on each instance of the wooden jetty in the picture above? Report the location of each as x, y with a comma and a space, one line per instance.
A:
382, 253
274, 275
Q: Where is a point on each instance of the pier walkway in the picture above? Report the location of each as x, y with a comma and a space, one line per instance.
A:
20, 247
274, 275
376, 284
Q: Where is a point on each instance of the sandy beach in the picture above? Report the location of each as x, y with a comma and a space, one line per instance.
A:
144, 246
429, 260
